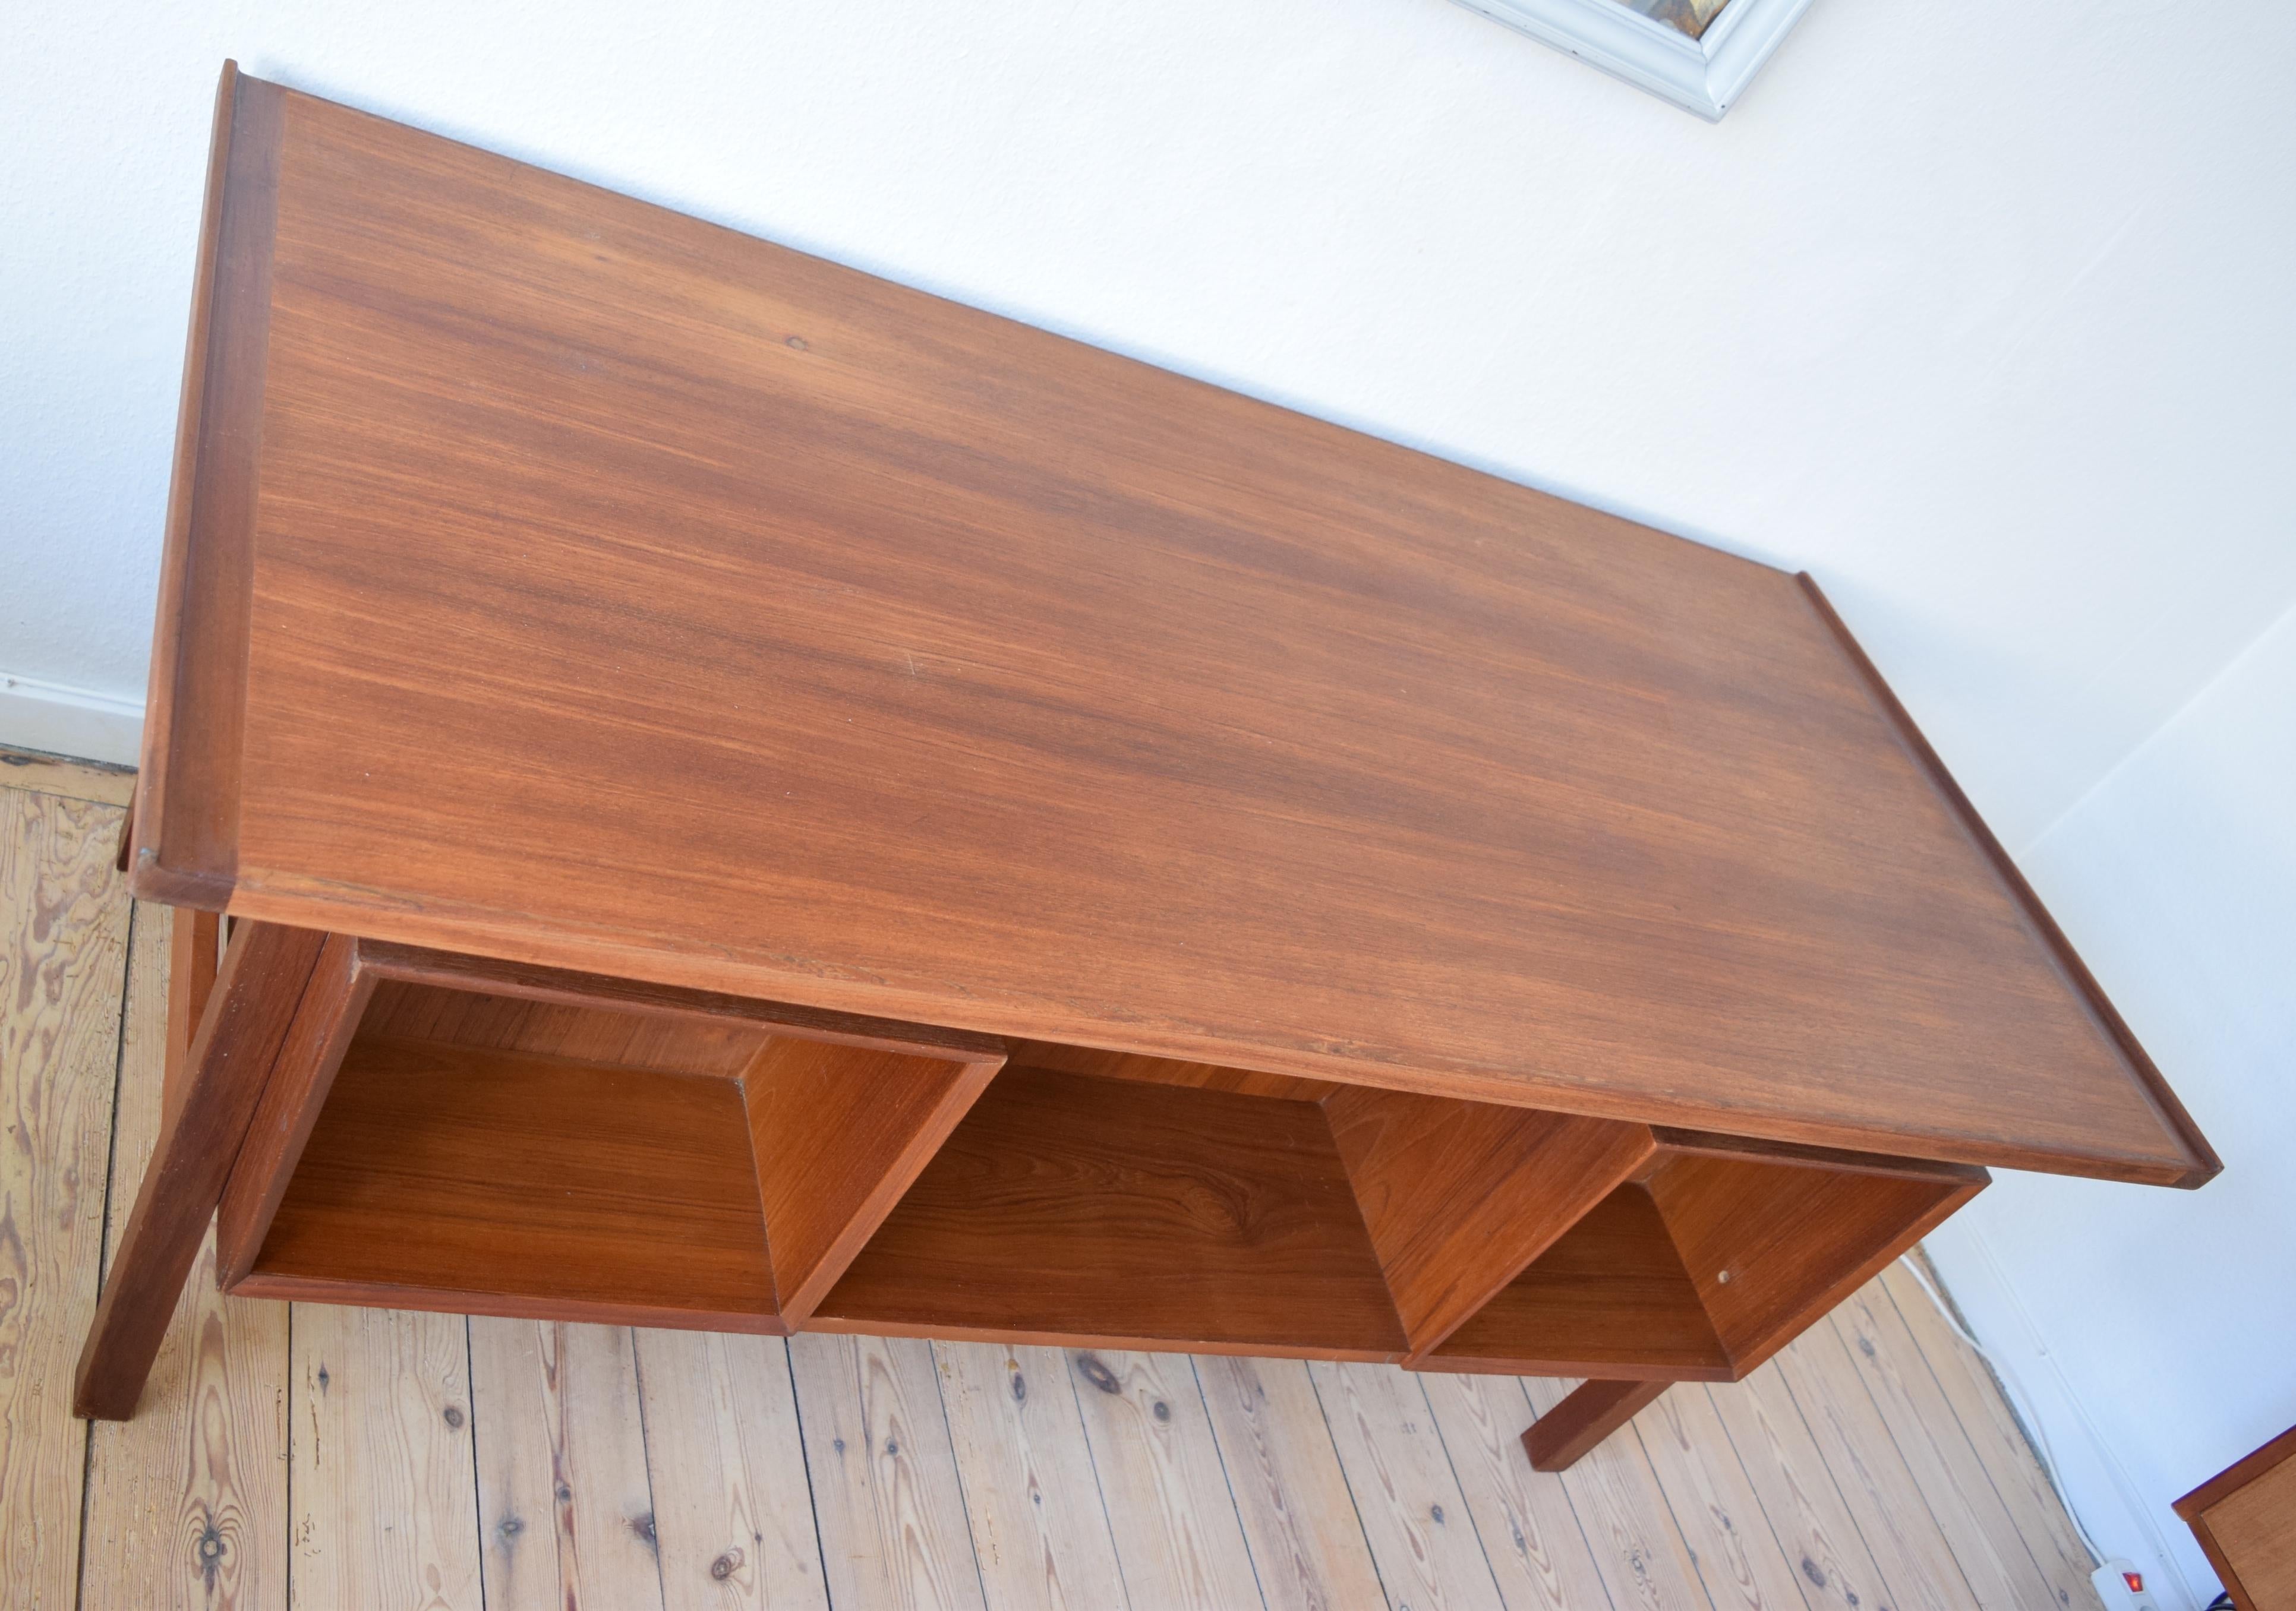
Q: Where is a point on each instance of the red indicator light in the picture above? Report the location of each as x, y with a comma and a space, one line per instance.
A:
2135, 1580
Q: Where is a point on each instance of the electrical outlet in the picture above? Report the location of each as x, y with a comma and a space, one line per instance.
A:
2122, 1587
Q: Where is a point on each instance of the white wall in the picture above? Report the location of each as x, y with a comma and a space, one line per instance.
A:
1982, 311
2160, 1327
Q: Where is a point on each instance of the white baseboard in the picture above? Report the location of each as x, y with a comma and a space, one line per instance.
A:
39, 714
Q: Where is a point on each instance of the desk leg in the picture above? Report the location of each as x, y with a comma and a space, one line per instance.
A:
257, 988
194, 951
1588, 1414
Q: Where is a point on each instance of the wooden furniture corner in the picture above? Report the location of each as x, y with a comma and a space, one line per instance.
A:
2245, 1520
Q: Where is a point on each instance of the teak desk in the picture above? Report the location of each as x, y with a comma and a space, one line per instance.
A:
751, 796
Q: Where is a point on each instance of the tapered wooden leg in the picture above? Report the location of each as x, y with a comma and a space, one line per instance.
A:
194, 953
257, 990
1588, 1414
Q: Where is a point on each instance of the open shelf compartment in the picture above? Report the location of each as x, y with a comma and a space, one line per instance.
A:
440, 1175
1712, 1255
1096, 1198
1153, 1209
448, 1133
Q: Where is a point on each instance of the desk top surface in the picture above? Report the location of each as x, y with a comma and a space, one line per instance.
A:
559, 578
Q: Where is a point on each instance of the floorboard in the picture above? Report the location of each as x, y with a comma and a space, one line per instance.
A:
29, 772
733, 1508
1643, 1557
565, 1508
1916, 1563
187, 1502
1299, 1519
1995, 1560
382, 1500
1800, 1503
337, 1459
1537, 1551
63, 925
887, 1498
1992, 1427
1739, 1559
1421, 1532
1039, 1530
1179, 1542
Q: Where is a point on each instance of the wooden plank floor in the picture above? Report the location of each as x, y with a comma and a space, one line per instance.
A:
333, 1459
